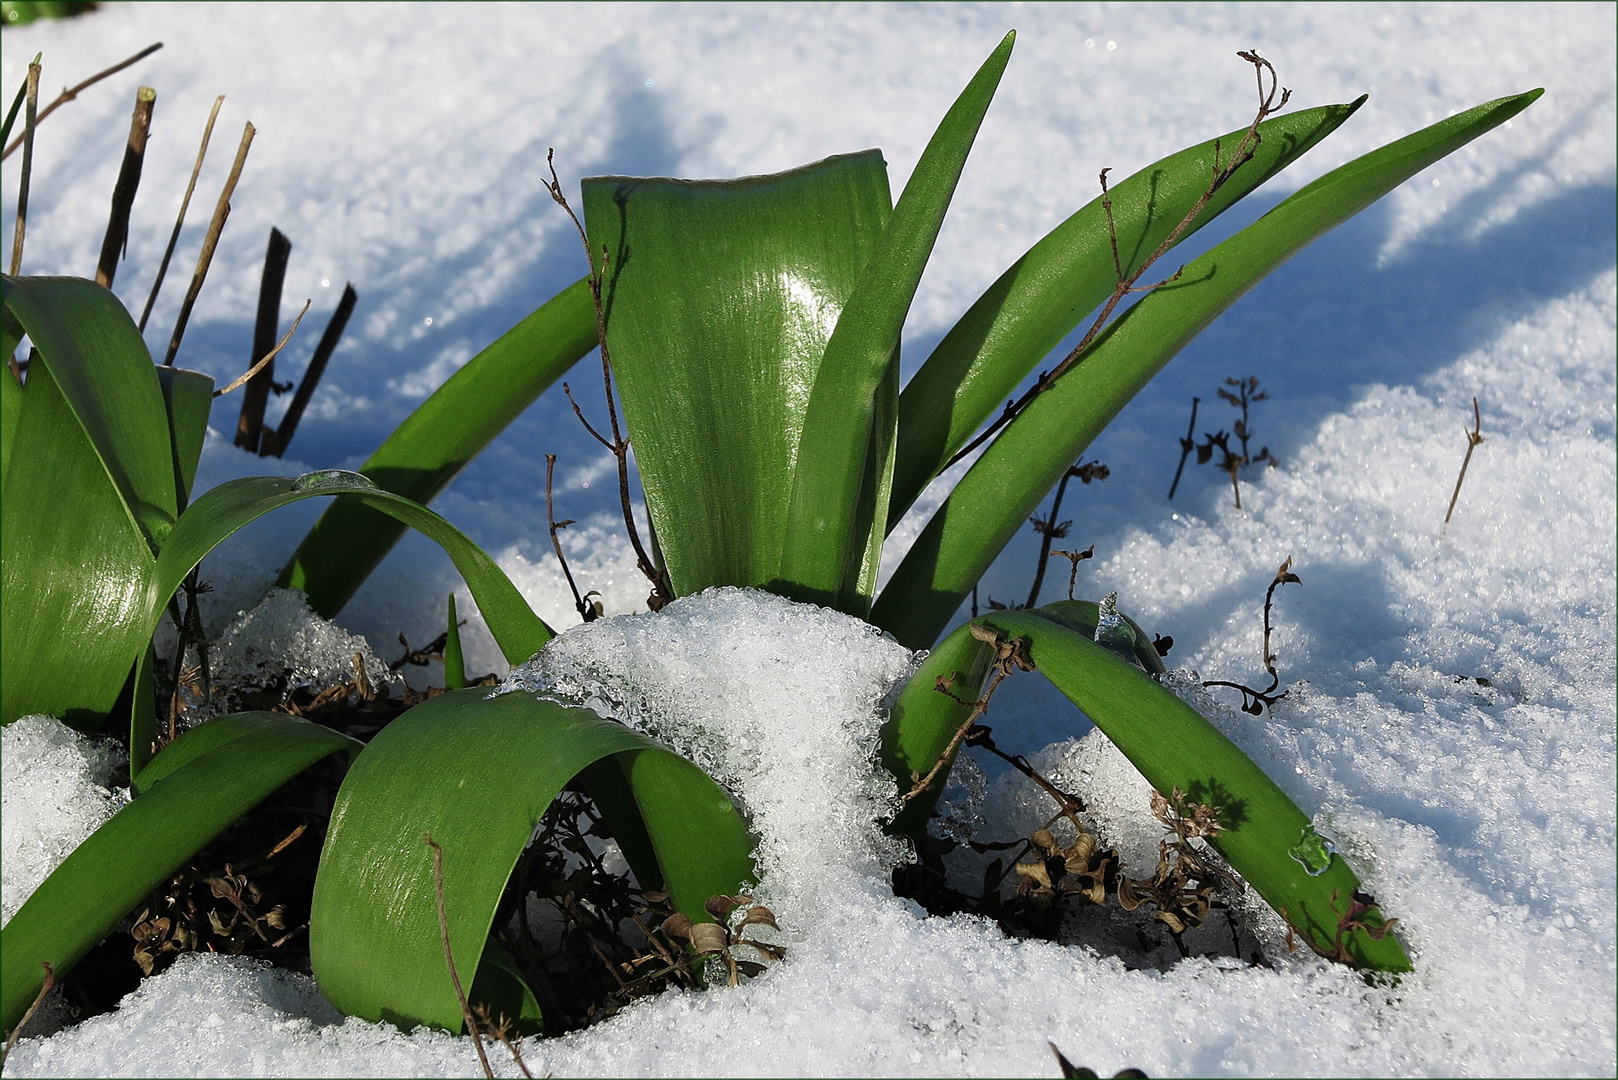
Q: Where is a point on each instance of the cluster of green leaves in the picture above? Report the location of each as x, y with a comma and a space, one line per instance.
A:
754, 326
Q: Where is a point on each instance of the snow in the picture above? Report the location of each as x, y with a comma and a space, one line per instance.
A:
1451, 708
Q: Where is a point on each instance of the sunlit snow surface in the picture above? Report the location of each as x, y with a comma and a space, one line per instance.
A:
400, 149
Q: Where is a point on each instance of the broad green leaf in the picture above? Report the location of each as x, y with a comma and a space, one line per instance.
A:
477, 773
720, 298
75, 569
224, 509
133, 853
500, 987
436, 441
1174, 747
100, 363
1042, 297
1005, 485
187, 401
826, 546
10, 410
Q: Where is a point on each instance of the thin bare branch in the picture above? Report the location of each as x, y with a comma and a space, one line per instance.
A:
1187, 444
211, 241
586, 611
1473, 438
72, 92
256, 368
449, 955
185, 203
50, 981
115, 245
1008, 656
30, 119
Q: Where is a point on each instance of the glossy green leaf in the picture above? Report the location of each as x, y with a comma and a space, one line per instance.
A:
826, 544
1005, 485
187, 401
500, 987
1174, 747
134, 852
454, 662
100, 363
224, 509
720, 298
10, 410
477, 773
436, 441
1042, 296
75, 570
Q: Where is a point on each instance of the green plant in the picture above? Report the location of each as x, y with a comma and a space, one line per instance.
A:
753, 328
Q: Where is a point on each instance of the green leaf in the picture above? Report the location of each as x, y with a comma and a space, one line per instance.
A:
1005, 485
10, 411
720, 298
187, 401
826, 545
436, 441
454, 664
224, 509
1042, 297
105, 374
445, 769
499, 985
75, 570
133, 853
1174, 747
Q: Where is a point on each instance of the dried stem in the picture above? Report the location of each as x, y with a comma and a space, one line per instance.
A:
501, 1029
587, 612
449, 956
115, 245
1008, 656
50, 981
185, 203
275, 440
1254, 701
30, 119
250, 423
269, 356
1074, 557
1050, 530
1187, 444
1473, 438
205, 257
661, 593
72, 92
1267, 106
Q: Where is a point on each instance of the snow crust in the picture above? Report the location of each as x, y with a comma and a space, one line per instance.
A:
1451, 716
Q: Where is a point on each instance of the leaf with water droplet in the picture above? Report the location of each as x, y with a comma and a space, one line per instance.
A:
1312, 851
333, 480
1113, 631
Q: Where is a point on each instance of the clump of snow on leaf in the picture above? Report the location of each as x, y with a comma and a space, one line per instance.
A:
780, 702
56, 793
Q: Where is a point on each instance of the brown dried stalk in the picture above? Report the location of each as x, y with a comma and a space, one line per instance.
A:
275, 440
211, 241
115, 245
30, 119
587, 611
449, 955
185, 203
267, 357
250, 423
70, 93
50, 981
1008, 656
1473, 438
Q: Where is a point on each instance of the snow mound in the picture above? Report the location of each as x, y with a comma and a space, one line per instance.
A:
56, 785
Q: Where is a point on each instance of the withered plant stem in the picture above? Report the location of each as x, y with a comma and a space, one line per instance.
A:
250, 422
586, 612
275, 440
1253, 701
449, 955
115, 245
205, 257
1047, 534
185, 203
30, 119
50, 981
1008, 655
267, 358
1187, 444
661, 594
1473, 438
72, 92
1267, 106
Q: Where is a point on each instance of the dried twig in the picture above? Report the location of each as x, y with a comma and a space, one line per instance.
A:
50, 981
185, 203
1267, 106
1473, 438
1075, 558
115, 245
1187, 444
1008, 656
501, 1029
588, 612
1254, 701
449, 955
1049, 529
275, 440
70, 93
250, 423
661, 593
269, 356
205, 257
30, 119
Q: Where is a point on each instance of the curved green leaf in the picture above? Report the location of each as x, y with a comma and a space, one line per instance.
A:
1041, 297
720, 298
133, 853
445, 769
1174, 747
1005, 485
436, 441
224, 509
187, 399
10, 410
100, 363
841, 452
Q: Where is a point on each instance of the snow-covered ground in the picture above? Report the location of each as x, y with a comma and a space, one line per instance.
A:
402, 149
